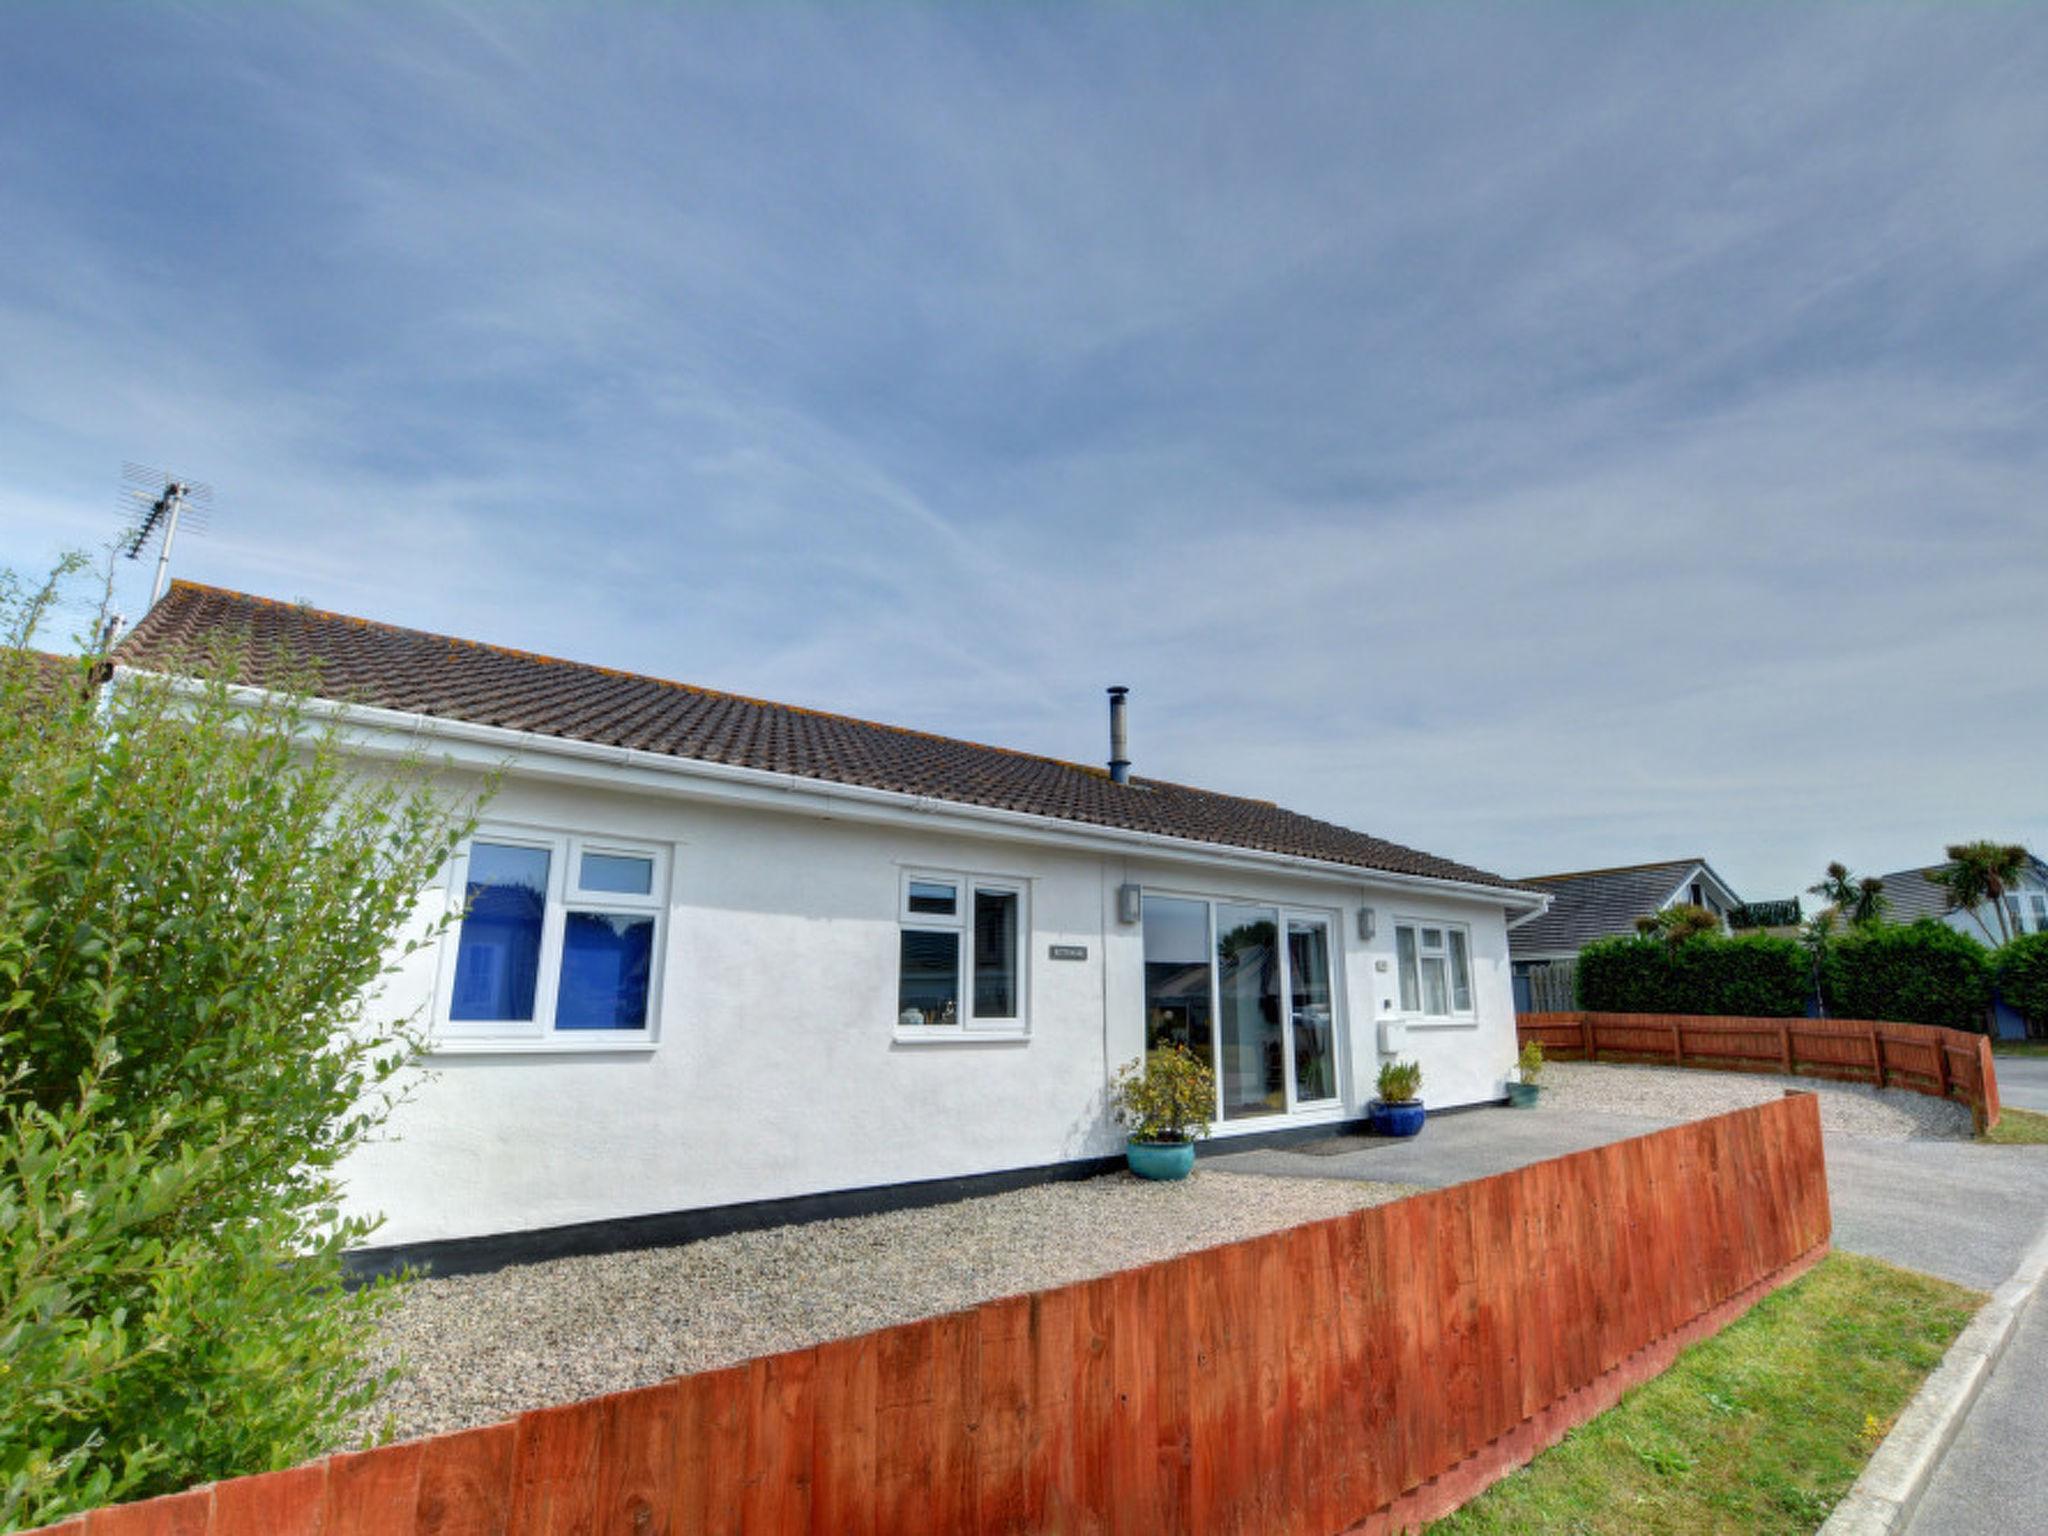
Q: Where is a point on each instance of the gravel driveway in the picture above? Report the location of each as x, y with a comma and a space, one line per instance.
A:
1676, 1093
478, 1348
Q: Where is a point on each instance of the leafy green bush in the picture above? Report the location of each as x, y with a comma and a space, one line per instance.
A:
1755, 975
1529, 1065
1400, 1081
2021, 973
197, 896
1914, 973
1168, 1096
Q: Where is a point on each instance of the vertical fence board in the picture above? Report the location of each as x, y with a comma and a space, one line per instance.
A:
956, 1406
466, 1483
554, 1477
1091, 1479
905, 1429
176, 1514
1132, 1427
636, 1482
1050, 1475
286, 1503
1164, 1300
1210, 1394
843, 1453
373, 1493
711, 1443
1002, 1449
776, 1501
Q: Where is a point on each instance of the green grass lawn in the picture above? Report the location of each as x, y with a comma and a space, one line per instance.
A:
2019, 1047
2018, 1128
1762, 1428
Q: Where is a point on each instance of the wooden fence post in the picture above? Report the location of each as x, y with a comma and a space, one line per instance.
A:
1941, 1063
1785, 1040
1586, 1038
1677, 1043
1877, 1055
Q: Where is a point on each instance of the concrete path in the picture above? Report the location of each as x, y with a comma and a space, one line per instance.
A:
1956, 1209
1994, 1480
2023, 1082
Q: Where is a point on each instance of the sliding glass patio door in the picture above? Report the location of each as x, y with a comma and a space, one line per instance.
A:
1248, 989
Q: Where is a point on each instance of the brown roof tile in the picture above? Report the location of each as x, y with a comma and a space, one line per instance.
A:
358, 661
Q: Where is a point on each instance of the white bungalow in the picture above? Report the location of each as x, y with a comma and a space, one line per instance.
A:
726, 962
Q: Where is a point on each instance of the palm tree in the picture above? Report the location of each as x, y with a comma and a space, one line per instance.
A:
1860, 901
1977, 873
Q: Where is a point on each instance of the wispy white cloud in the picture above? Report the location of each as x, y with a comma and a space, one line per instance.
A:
1542, 436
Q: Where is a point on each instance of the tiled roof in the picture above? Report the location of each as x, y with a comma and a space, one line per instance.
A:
1909, 894
361, 662
1595, 904
47, 671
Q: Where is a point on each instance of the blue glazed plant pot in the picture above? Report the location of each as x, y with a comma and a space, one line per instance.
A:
1402, 1119
1522, 1095
1160, 1159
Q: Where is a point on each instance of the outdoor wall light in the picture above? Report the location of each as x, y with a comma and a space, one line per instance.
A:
1130, 903
1368, 923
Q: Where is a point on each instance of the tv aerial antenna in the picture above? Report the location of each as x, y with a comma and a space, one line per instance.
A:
158, 505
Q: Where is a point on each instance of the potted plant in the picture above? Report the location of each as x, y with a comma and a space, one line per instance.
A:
1522, 1087
1165, 1101
1398, 1109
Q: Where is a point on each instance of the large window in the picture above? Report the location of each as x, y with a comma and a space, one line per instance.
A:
560, 940
961, 958
1435, 961
1247, 989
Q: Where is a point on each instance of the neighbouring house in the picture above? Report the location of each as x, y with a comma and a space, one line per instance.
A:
1910, 895
726, 961
1589, 904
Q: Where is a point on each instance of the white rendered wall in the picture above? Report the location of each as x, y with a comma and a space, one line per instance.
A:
777, 1071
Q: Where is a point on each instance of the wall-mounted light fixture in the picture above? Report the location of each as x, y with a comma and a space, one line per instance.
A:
1368, 923
1130, 903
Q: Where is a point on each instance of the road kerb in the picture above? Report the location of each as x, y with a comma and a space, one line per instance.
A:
1889, 1491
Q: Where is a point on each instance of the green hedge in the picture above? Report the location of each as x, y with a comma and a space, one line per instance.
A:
1756, 975
2021, 972
1914, 973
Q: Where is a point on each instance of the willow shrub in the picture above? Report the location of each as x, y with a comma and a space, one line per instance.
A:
198, 896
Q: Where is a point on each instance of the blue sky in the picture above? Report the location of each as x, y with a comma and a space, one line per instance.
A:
1548, 436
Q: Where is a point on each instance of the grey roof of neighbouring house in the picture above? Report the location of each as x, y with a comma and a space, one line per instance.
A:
1909, 894
1593, 904
360, 661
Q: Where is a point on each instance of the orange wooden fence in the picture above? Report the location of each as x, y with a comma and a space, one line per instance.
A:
1358, 1374
1943, 1063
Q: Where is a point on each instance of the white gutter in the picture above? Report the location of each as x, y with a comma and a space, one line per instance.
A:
390, 733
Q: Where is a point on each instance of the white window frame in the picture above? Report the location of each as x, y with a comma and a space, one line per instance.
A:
1416, 1017
965, 883
565, 894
